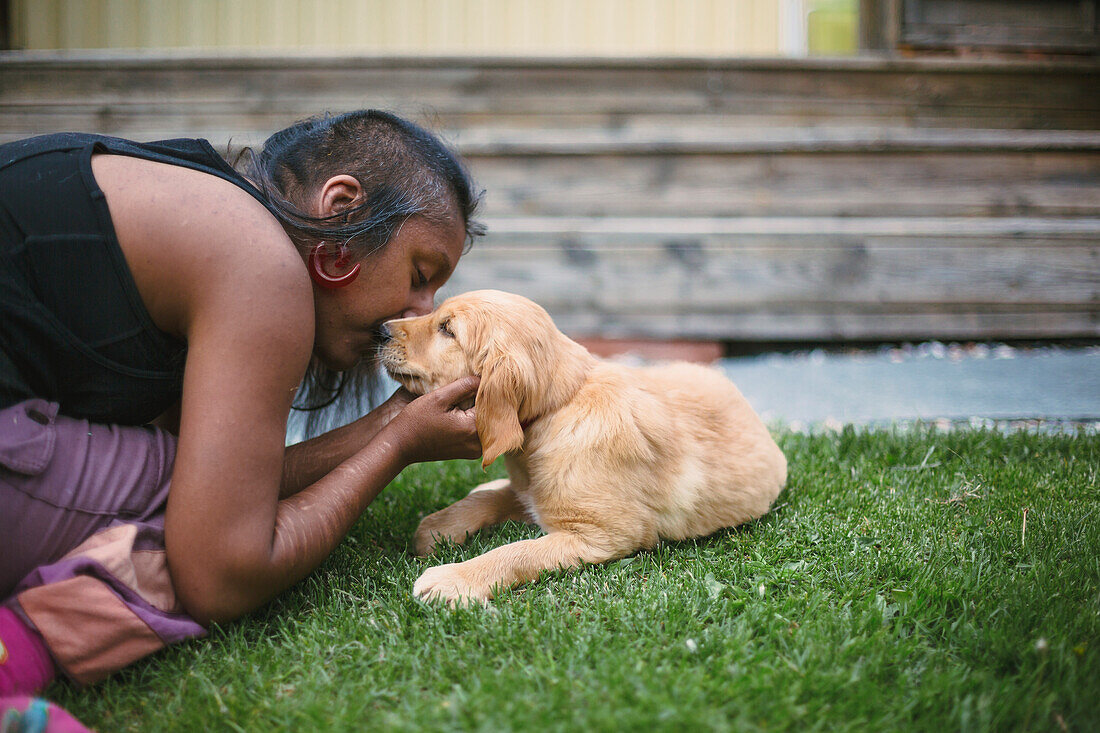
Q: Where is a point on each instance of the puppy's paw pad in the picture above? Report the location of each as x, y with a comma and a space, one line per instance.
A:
444, 583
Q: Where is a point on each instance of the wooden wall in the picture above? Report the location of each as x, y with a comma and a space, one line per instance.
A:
698, 198
1034, 27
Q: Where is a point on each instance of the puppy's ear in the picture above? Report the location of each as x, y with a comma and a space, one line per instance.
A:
496, 409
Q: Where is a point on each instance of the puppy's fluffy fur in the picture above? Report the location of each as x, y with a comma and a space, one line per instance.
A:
605, 458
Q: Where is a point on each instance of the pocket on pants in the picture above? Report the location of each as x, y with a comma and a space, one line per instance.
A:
77, 466
28, 436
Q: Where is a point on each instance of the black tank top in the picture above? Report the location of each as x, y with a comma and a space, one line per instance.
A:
73, 328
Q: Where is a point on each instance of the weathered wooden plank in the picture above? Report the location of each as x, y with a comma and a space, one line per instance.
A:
670, 270
1022, 25
693, 136
701, 278
988, 173
1001, 95
697, 135
846, 184
500, 134
898, 229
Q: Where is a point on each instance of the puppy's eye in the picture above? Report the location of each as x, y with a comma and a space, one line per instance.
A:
445, 329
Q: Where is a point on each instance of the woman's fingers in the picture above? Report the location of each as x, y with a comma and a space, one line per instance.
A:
459, 391
438, 426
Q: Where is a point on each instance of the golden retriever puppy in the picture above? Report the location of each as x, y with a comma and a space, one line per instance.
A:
605, 458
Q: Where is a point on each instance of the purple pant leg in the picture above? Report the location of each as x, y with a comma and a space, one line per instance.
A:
82, 538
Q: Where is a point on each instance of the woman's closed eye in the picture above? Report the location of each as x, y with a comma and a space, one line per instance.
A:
420, 279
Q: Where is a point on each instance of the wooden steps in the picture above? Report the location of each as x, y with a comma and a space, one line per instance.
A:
776, 278
947, 182
714, 199
248, 97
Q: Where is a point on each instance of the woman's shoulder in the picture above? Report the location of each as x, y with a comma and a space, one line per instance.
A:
192, 238
134, 186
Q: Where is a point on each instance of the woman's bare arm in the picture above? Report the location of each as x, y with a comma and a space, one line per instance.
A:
214, 267
314, 520
232, 544
307, 462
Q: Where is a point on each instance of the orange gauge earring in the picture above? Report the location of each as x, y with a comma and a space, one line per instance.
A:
316, 267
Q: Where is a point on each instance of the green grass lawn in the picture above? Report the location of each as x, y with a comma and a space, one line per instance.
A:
894, 586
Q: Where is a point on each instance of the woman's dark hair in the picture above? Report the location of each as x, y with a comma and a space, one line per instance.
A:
404, 171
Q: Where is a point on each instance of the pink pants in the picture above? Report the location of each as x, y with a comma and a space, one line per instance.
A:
82, 557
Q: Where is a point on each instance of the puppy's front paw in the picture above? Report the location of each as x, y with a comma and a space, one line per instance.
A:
446, 583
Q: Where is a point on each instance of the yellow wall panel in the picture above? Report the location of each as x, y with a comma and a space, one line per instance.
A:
37, 25
532, 27
121, 28
198, 24
80, 25
157, 24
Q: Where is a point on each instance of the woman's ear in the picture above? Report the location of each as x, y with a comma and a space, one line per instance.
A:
337, 194
496, 409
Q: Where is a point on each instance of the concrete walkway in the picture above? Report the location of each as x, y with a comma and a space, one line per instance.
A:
929, 382
1052, 389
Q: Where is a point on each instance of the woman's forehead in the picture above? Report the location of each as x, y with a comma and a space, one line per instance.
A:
440, 242
440, 233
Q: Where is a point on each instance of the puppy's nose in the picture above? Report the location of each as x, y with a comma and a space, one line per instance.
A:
385, 332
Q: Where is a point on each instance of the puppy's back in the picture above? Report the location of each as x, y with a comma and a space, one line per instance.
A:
730, 470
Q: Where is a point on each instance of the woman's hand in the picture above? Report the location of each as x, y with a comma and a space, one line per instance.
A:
435, 428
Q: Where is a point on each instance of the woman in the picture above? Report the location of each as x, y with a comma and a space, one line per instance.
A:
151, 284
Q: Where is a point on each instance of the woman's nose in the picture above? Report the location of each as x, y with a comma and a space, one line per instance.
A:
420, 304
